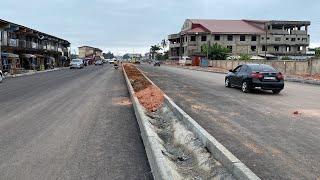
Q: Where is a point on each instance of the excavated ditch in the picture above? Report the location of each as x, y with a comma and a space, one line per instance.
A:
185, 153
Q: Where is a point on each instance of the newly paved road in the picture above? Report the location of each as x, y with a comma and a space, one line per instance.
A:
70, 124
259, 128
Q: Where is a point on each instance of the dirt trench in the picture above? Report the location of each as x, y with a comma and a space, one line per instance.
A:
149, 96
185, 153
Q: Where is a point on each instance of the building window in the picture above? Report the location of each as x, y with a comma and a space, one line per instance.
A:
217, 37
268, 38
288, 48
278, 39
230, 48
276, 48
253, 48
186, 39
263, 48
254, 38
242, 38
300, 48
304, 39
287, 39
230, 38
193, 38
298, 39
293, 39
203, 38
262, 38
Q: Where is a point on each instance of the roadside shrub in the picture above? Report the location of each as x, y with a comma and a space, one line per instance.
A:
216, 51
285, 58
245, 57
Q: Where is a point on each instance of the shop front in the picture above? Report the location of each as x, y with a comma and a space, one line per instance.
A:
10, 63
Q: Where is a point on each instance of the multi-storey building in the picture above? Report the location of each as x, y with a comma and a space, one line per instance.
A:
25, 48
89, 52
253, 37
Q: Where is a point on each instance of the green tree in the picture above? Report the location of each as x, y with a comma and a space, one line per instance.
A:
163, 56
285, 58
108, 55
317, 52
216, 51
126, 56
154, 50
164, 44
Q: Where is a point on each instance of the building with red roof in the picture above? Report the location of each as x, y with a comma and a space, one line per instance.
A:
266, 38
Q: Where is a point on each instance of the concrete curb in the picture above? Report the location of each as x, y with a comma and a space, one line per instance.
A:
303, 81
288, 78
221, 153
33, 73
225, 157
157, 161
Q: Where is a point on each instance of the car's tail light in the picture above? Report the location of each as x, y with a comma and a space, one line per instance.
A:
279, 76
257, 75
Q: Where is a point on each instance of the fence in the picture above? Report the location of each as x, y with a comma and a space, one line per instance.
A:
287, 67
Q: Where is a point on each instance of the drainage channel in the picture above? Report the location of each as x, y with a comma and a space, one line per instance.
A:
185, 153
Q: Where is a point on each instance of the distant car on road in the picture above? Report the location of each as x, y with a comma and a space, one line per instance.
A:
76, 64
255, 76
156, 63
111, 61
1, 76
98, 63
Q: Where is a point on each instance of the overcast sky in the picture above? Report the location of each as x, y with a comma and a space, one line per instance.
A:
133, 25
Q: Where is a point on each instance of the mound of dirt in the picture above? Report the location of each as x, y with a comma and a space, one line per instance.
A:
150, 97
137, 80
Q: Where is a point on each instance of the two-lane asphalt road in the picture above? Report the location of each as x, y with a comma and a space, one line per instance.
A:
259, 128
70, 124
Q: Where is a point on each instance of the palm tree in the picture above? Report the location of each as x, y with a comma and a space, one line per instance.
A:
164, 44
154, 50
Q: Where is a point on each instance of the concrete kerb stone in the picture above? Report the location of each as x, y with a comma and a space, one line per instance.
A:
225, 157
33, 73
160, 170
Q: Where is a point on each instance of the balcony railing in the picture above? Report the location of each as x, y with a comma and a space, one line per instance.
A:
23, 44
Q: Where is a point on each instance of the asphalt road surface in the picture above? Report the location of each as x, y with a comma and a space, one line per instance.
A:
70, 124
259, 128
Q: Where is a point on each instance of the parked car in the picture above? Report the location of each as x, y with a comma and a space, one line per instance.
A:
1, 76
111, 61
156, 63
185, 61
77, 64
255, 76
104, 60
98, 63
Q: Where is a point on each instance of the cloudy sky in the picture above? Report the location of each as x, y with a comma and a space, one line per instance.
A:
133, 25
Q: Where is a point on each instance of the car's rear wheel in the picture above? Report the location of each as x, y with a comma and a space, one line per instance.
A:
245, 87
276, 91
227, 82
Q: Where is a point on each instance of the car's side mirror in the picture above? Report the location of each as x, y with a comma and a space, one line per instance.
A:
231, 70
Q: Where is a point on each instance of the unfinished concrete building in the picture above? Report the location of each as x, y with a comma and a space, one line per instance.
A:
268, 39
